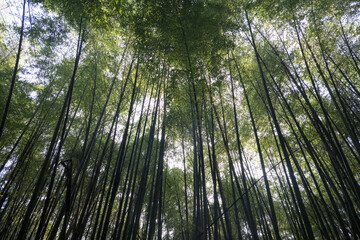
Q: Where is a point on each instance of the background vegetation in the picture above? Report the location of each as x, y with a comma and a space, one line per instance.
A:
179, 119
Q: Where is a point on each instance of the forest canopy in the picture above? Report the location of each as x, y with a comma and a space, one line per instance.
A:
193, 119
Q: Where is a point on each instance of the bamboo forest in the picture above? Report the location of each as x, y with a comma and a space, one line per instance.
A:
179, 119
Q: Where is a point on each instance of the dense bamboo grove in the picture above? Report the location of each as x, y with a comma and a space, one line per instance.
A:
179, 119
